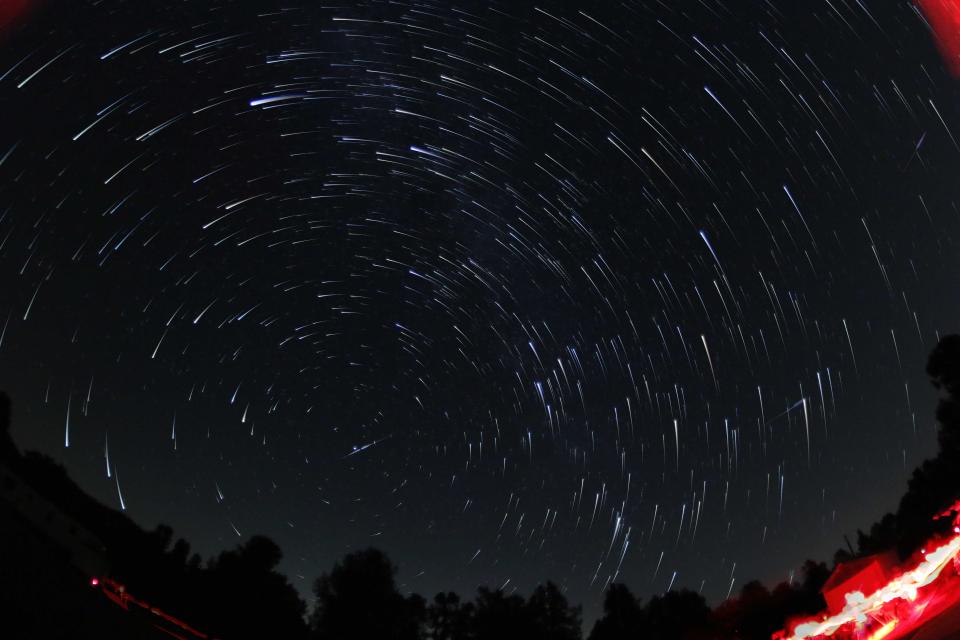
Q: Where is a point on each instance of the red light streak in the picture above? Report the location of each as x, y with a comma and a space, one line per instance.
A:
884, 631
907, 602
118, 593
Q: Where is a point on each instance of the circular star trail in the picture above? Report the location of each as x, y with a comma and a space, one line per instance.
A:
633, 292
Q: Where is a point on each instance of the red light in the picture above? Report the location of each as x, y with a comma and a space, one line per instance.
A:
94, 582
904, 605
944, 18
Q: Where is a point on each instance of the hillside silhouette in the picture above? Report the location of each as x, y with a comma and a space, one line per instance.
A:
237, 594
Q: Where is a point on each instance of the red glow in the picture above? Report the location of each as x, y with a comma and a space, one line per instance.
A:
927, 593
94, 582
119, 595
944, 18
11, 11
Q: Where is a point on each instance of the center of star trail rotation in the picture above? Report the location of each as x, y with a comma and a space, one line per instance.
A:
632, 292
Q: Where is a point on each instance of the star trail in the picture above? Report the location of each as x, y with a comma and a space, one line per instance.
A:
628, 291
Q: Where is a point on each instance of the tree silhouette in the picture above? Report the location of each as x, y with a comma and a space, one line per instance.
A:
7, 448
753, 615
943, 367
935, 484
449, 619
622, 615
677, 615
501, 617
551, 615
358, 599
758, 612
248, 598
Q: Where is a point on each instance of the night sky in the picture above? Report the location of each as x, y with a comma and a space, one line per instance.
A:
637, 291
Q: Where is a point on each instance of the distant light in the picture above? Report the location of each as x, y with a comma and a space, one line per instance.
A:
94, 582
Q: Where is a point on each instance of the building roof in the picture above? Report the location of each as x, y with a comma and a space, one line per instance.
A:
848, 570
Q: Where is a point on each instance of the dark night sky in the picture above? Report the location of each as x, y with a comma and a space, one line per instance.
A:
584, 291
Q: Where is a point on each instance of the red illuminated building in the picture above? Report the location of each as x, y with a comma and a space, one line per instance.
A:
872, 598
864, 575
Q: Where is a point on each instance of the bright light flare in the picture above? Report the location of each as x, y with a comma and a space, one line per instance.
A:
884, 631
900, 602
944, 18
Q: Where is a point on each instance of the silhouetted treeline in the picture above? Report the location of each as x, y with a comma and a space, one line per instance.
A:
684, 615
935, 484
359, 599
239, 594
